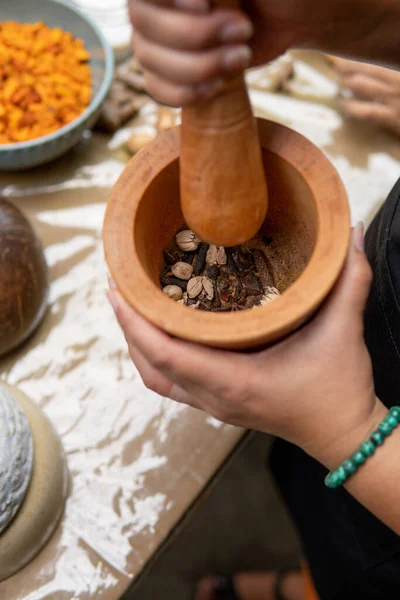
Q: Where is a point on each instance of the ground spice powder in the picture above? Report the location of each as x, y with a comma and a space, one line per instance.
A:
45, 80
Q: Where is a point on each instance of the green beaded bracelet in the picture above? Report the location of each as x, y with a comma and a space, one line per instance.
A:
335, 479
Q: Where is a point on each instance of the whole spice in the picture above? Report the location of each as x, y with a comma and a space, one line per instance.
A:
212, 272
216, 255
187, 240
200, 286
188, 257
182, 270
173, 291
230, 261
171, 256
195, 287
200, 258
208, 288
166, 280
45, 80
217, 279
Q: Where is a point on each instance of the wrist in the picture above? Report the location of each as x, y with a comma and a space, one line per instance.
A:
332, 455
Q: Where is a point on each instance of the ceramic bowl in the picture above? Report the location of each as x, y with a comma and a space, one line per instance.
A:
60, 13
307, 220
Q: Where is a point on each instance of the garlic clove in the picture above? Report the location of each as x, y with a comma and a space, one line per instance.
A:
173, 291
187, 240
182, 270
195, 287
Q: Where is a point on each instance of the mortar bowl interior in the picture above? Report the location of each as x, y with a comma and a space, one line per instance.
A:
307, 227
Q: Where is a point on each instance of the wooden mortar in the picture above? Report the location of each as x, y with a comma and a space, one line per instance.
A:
308, 221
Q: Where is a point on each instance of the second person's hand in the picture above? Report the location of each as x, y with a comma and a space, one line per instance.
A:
375, 93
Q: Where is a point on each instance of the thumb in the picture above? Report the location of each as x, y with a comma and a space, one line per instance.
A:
348, 299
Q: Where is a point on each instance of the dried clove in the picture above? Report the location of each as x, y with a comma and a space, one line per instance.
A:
230, 261
200, 259
164, 280
172, 256
212, 272
218, 279
188, 257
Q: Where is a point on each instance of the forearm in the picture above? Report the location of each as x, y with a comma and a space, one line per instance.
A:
376, 484
363, 29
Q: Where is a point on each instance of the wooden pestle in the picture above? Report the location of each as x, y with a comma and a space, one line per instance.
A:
224, 194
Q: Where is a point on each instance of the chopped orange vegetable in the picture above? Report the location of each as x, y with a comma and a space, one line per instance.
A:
45, 80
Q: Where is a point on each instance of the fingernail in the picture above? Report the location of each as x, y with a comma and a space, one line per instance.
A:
210, 88
111, 282
202, 6
237, 58
358, 236
113, 299
236, 32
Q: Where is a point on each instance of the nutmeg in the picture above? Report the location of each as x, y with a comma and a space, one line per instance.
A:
24, 281
187, 240
182, 270
173, 291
